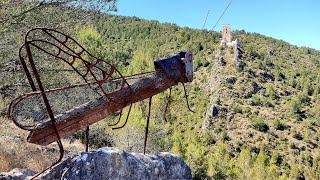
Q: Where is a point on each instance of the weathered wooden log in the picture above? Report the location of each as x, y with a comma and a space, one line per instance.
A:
91, 112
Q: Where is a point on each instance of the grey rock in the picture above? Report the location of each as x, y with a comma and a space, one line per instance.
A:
255, 87
214, 112
17, 174
240, 65
218, 110
231, 80
113, 163
267, 76
270, 52
222, 62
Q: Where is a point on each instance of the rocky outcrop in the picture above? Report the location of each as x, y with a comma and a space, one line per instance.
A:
215, 112
112, 163
231, 80
221, 61
17, 174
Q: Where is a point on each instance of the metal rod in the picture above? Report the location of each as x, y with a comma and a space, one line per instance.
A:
26, 70
87, 138
41, 88
185, 94
167, 105
60, 158
147, 127
46, 102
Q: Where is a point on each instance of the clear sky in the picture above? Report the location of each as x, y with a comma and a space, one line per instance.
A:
294, 21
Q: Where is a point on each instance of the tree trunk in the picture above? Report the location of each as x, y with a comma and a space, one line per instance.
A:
89, 113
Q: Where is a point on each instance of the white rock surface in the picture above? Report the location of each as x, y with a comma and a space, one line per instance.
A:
113, 163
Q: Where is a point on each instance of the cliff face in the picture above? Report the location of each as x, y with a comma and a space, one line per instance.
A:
113, 163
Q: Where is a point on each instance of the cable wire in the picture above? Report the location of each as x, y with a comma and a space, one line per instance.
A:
205, 21
222, 15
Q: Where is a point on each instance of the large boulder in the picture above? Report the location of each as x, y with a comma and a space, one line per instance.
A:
113, 163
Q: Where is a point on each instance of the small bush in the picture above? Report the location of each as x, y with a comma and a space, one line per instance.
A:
98, 137
298, 136
267, 103
197, 88
218, 101
255, 101
237, 109
292, 145
279, 125
259, 124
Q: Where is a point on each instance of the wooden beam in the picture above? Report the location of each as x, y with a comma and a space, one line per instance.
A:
89, 113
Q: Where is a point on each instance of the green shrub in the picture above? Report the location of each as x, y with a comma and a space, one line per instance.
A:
297, 136
237, 109
267, 103
255, 101
259, 124
218, 101
278, 124
197, 88
270, 92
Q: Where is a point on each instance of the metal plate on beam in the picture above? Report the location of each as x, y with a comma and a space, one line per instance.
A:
188, 60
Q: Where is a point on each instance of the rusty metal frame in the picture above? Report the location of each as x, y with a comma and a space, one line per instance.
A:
107, 76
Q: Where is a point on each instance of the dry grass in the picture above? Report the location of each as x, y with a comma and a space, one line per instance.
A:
15, 152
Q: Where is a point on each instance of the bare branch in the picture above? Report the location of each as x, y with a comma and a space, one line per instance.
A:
97, 5
29, 10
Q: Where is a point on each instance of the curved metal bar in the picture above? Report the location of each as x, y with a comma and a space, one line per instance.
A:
63, 43
185, 94
126, 119
44, 96
114, 124
167, 105
58, 44
20, 98
60, 158
12, 106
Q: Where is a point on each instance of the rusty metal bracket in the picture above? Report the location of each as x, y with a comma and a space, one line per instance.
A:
179, 67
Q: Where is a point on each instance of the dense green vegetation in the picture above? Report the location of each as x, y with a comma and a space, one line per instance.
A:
266, 125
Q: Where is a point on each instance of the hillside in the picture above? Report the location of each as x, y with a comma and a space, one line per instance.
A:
256, 117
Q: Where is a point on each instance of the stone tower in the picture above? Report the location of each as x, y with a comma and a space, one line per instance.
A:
226, 35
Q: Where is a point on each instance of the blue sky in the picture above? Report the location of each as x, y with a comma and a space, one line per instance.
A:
294, 21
